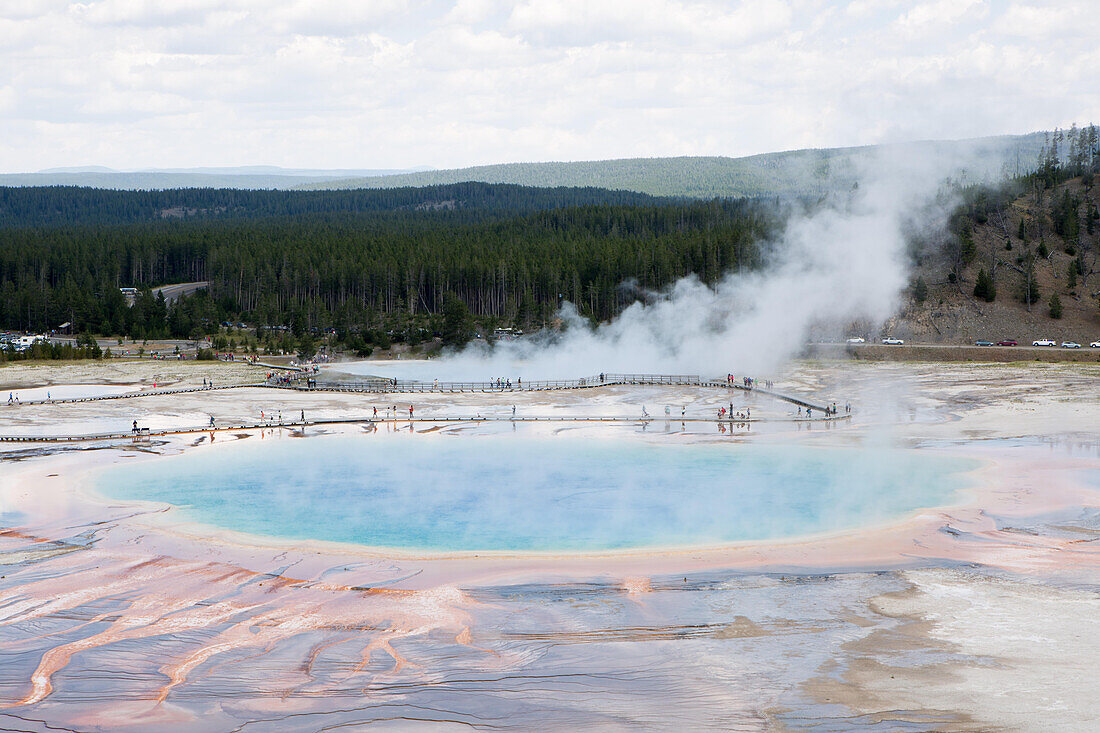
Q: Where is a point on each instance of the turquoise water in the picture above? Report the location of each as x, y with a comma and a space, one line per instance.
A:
513, 493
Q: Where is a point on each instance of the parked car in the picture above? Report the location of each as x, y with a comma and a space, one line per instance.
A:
1095, 345
1070, 345
892, 341
855, 340
1007, 342
983, 343
1044, 342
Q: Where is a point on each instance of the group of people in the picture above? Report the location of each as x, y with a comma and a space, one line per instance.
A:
749, 382
730, 414
829, 410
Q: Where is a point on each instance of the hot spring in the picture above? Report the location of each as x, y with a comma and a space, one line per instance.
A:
512, 493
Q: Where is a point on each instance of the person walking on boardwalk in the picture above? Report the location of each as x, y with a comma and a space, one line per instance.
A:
211, 421
303, 417
135, 426
376, 411
410, 412
513, 410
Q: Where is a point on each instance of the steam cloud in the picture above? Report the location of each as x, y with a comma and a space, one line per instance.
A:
843, 260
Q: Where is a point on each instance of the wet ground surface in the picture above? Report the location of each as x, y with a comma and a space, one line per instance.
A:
989, 622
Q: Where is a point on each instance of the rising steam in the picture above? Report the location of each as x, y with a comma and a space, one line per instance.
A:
842, 260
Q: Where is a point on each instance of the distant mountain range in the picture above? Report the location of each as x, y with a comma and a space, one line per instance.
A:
244, 177
791, 173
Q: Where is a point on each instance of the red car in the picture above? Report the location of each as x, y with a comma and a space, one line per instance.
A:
1007, 342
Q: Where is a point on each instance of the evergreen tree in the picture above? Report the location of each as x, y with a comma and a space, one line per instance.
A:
1055, 306
307, 347
1029, 288
920, 290
984, 288
457, 323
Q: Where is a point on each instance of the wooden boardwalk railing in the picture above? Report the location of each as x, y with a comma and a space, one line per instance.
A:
145, 434
397, 386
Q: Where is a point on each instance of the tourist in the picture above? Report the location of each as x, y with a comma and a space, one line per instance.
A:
211, 421
135, 426
303, 416
410, 412
513, 410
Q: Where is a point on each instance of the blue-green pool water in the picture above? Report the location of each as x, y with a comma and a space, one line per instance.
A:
450, 493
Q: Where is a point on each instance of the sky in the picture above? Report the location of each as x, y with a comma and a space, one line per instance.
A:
396, 83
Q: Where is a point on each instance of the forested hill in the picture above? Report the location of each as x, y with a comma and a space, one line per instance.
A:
790, 173
69, 205
388, 272
807, 172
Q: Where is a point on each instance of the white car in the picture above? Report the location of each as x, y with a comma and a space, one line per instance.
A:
855, 340
1044, 342
892, 341
1070, 345
1095, 345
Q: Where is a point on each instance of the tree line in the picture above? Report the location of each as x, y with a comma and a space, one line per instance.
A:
370, 275
59, 205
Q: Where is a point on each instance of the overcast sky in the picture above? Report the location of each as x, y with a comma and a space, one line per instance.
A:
396, 83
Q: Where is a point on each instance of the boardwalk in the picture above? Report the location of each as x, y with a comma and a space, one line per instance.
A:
144, 434
395, 386
389, 387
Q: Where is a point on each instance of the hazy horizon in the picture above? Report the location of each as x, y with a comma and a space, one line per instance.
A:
279, 170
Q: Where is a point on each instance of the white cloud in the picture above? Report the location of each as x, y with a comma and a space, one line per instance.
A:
391, 83
940, 13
